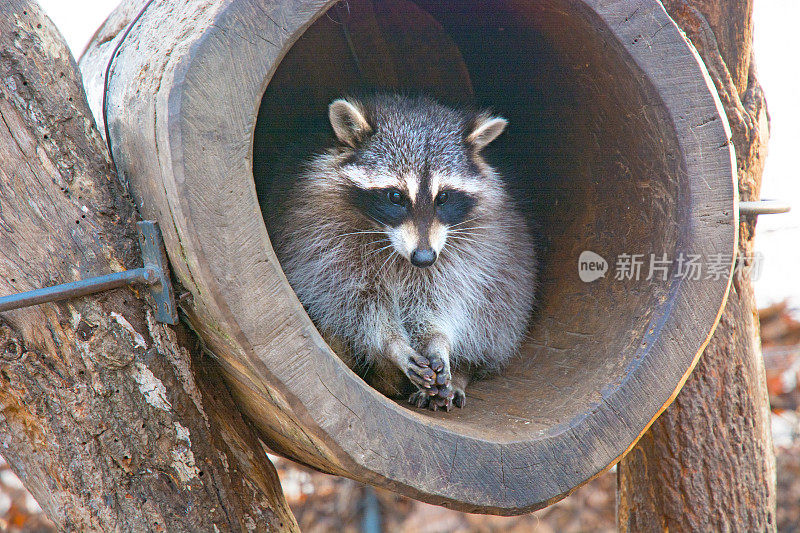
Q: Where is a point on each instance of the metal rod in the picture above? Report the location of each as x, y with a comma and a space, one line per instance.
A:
371, 517
146, 275
763, 207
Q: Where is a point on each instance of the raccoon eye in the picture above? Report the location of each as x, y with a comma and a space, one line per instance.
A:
395, 196
441, 198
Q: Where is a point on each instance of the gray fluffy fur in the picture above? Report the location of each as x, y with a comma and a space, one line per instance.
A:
468, 311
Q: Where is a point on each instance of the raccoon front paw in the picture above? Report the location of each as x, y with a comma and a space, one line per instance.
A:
445, 398
420, 399
419, 371
440, 365
459, 398
443, 376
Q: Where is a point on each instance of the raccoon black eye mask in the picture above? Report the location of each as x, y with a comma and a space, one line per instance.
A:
391, 207
405, 248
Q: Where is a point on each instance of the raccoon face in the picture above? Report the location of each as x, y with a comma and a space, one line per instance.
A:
415, 216
412, 170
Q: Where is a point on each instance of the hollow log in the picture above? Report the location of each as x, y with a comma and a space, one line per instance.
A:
707, 464
112, 420
617, 143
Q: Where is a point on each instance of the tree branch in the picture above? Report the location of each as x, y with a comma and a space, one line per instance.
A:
108, 417
707, 463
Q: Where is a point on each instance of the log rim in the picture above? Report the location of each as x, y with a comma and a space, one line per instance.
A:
357, 465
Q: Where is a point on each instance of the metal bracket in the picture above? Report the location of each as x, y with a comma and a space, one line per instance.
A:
154, 274
154, 256
763, 207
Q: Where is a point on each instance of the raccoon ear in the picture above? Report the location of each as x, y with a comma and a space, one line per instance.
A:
349, 123
484, 129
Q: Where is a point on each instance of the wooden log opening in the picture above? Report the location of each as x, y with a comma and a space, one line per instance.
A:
617, 142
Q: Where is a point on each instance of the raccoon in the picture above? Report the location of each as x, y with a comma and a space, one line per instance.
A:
406, 249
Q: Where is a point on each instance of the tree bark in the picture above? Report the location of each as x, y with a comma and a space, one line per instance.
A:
707, 464
112, 420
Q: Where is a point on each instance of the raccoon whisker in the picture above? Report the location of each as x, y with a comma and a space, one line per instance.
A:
462, 238
384, 239
373, 252
481, 244
493, 226
464, 222
478, 242
361, 233
378, 222
466, 233
378, 241
496, 226
460, 248
391, 255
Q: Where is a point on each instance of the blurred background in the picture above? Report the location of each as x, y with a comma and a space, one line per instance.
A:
325, 503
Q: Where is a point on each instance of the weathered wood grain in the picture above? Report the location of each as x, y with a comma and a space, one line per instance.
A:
707, 463
645, 166
113, 421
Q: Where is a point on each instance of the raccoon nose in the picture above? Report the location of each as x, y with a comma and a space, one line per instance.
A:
423, 258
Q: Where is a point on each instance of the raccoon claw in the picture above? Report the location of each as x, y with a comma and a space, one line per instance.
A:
420, 360
441, 370
447, 397
447, 393
419, 374
424, 399
459, 399
436, 399
440, 402
442, 379
437, 364
420, 399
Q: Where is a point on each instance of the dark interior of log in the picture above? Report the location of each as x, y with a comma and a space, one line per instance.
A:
588, 148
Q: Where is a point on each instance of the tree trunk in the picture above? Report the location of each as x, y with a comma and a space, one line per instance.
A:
707, 463
112, 421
